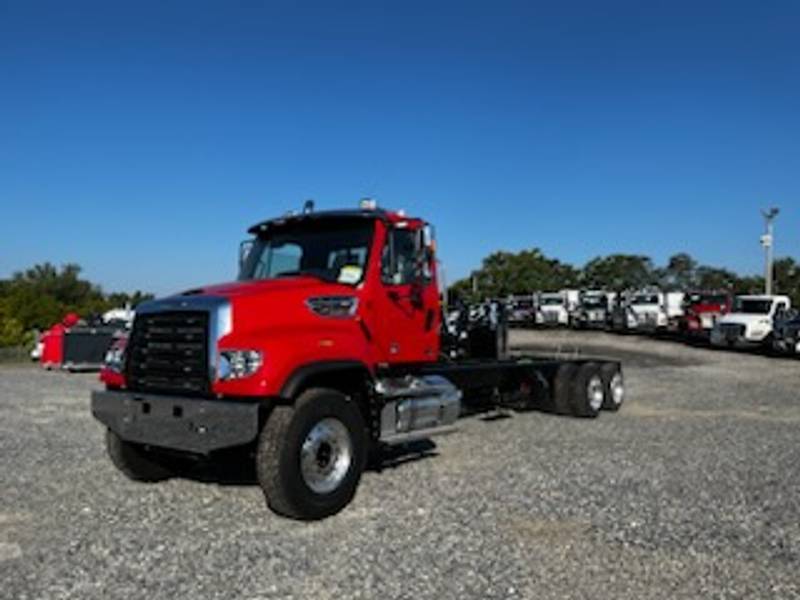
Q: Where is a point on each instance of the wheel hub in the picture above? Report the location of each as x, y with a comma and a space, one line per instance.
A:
326, 456
594, 391
617, 389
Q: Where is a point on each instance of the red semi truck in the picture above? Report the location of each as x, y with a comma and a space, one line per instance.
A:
702, 310
327, 349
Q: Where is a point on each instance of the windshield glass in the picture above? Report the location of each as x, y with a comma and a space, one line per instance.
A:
594, 302
646, 299
334, 251
707, 299
552, 301
752, 307
522, 304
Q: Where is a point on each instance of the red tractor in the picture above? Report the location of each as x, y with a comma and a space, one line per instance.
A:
702, 310
329, 347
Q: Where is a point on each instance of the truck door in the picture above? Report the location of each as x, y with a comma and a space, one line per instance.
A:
406, 319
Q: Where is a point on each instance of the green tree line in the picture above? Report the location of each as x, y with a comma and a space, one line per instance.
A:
38, 297
504, 273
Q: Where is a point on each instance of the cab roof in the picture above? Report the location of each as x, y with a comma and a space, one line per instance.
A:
389, 217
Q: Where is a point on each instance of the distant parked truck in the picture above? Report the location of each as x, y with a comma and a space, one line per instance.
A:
594, 310
553, 310
621, 317
521, 310
786, 333
655, 311
702, 310
75, 345
750, 322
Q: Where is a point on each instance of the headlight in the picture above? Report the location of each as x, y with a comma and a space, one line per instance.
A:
115, 357
237, 364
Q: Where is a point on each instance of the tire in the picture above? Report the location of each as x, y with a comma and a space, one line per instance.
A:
562, 389
332, 429
135, 462
587, 392
614, 386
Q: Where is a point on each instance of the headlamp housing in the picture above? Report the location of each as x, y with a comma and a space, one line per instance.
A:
238, 363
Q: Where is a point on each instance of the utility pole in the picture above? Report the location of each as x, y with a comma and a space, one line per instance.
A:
767, 242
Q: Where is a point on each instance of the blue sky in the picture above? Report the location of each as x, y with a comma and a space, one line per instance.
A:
140, 139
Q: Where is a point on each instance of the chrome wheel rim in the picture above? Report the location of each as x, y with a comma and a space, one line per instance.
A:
326, 456
594, 393
617, 388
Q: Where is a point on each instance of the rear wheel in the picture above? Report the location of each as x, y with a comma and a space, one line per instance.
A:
588, 391
614, 385
134, 461
311, 455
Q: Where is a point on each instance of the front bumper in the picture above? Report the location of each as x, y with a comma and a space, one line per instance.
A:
179, 423
730, 341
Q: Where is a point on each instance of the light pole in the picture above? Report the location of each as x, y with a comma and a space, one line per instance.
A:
767, 243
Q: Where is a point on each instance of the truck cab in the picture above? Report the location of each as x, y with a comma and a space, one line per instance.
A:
553, 310
594, 310
655, 311
750, 322
786, 333
702, 310
521, 310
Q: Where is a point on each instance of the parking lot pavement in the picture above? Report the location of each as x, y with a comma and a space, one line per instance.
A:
691, 491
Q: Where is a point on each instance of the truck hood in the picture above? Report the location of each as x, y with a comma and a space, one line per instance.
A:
258, 306
237, 289
744, 319
705, 308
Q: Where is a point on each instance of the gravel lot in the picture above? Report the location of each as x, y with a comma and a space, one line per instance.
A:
693, 490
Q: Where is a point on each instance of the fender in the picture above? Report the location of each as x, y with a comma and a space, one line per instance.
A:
305, 373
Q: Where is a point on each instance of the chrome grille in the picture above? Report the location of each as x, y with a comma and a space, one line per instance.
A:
168, 353
732, 330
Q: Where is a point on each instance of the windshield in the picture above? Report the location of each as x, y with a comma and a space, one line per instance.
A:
707, 299
752, 307
646, 299
594, 302
553, 301
329, 250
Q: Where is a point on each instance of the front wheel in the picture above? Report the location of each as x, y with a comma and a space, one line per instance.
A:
311, 455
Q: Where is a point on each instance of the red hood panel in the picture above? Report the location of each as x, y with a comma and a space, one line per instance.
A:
233, 289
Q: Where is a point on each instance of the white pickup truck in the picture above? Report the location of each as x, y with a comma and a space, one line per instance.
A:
750, 322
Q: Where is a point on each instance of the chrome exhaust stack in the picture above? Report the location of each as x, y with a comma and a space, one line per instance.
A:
417, 407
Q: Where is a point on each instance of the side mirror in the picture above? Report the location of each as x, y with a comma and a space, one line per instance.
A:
244, 251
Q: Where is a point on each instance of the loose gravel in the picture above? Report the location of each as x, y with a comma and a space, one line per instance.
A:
691, 491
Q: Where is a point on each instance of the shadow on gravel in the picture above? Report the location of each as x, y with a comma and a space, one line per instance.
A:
237, 468
397, 456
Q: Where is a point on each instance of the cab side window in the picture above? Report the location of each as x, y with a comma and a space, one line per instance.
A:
401, 257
